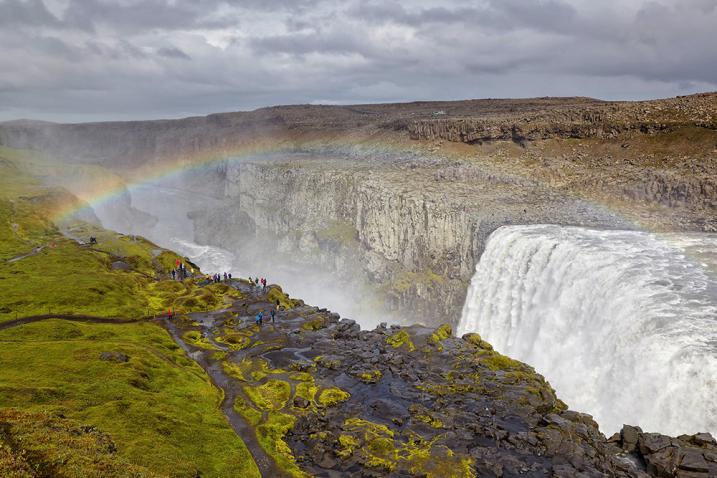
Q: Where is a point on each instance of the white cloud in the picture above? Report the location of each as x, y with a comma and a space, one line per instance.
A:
109, 59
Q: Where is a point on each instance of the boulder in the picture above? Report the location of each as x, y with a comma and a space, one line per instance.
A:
117, 357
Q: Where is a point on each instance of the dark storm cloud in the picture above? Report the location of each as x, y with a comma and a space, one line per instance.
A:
173, 52
103, 59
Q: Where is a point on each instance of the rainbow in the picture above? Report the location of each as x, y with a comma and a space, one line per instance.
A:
101, 192
95, 195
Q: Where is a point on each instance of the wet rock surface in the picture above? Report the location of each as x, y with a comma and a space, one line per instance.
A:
686, 456
325, 398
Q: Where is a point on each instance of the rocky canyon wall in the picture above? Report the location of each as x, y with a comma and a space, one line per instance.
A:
409, 234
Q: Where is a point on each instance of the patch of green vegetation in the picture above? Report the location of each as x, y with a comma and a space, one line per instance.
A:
195, 338
307, 390
423, 415
496, 361
339, 232
159, 407
439, 335
399, 339
478, 341
370, 377
275, 294
347, 446
405, 281
378, 448
38, 444
271, 396
333, 396
271, 437
314, 324
234, 340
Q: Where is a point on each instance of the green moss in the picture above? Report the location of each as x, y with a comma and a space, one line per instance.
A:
478, 341
332, 396
195, 338
423, 415
496, 361
301, 377
271, 437
378, 447
405, 281
441, 334
275, 294
339, 232
317, 323
271, 396
347, 446
307, 390
235, 340
39, 444
370, 377
250, 414
400, 339
160, 408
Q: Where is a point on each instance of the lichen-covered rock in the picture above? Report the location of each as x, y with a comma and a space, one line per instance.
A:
413, 401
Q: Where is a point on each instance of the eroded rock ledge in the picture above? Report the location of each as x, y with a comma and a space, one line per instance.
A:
326, 398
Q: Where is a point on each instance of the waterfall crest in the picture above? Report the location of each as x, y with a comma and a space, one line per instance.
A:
622, 323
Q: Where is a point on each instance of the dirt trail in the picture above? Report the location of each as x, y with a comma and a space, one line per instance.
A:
91, 319
34, 252
267, 466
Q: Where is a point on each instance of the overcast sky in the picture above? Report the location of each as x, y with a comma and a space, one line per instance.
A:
82, 60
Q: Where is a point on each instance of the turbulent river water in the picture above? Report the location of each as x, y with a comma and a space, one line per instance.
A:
623, 324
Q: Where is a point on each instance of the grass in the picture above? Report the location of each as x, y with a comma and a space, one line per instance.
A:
37, 444
159, 407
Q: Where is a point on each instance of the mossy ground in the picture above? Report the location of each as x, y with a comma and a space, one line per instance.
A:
270, 404
159, 407
37, 444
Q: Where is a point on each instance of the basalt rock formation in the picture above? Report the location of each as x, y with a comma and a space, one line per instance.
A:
326, 398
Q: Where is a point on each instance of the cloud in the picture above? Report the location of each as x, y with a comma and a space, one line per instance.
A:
173, 52
118, 59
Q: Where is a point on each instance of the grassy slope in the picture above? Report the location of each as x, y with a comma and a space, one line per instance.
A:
159, 407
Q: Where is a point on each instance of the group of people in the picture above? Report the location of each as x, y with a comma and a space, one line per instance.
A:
255, 282
217, 278
259, 319
180, 271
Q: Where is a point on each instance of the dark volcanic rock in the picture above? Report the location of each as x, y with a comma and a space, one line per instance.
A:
416, 401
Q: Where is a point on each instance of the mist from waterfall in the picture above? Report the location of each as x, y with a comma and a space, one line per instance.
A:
623, 324
160, 212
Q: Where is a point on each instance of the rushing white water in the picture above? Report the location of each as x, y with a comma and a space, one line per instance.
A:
209, 258
623, 324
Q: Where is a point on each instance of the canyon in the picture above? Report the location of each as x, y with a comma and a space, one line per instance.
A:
395, 202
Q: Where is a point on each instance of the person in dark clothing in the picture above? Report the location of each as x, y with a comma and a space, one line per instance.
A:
273, 315
174, 274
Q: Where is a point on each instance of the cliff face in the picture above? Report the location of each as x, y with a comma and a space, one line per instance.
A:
585, 121
409, 232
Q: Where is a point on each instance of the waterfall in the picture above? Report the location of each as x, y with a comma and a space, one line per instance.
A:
623, 324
